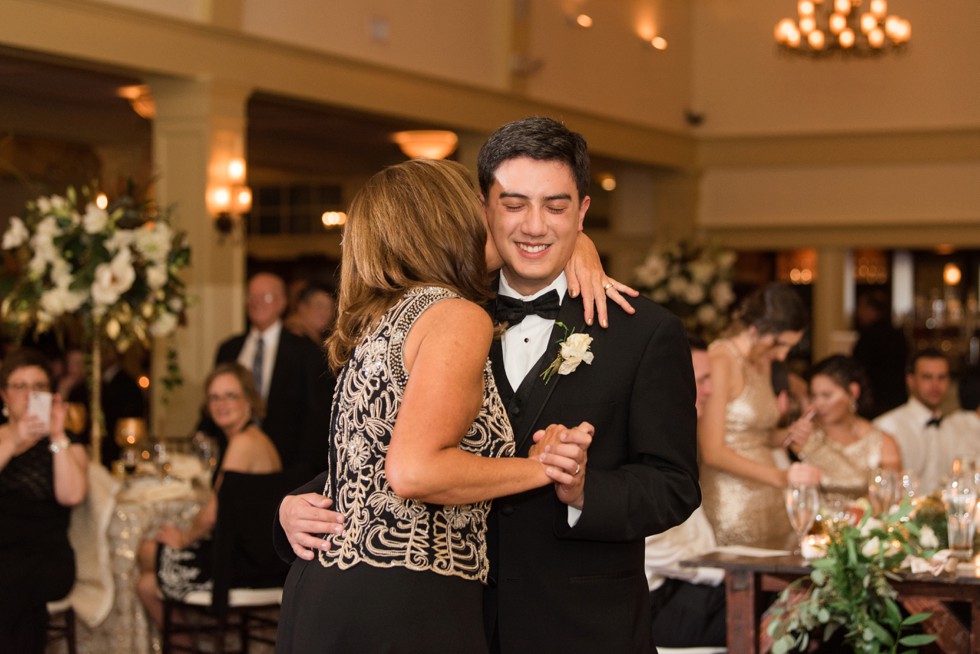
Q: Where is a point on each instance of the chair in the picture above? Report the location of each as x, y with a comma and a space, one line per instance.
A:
62, 624
248, 574
92, 595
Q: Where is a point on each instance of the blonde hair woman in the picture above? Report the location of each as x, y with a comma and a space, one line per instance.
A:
420, 440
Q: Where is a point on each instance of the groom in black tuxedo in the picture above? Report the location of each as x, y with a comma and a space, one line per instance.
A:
567, 577
570, 578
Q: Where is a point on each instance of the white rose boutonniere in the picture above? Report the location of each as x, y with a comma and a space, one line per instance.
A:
574, 350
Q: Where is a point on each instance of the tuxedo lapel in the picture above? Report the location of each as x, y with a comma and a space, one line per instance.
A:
534, 392
499, 372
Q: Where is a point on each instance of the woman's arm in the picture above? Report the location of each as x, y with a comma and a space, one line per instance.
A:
446, 352
711, 426
891, 455
70, 462
585, 275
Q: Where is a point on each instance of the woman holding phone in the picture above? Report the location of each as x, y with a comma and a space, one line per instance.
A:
42, 475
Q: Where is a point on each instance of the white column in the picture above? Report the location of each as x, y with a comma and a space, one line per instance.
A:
199, 125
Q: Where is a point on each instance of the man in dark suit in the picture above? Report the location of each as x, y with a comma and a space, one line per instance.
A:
567, 574
290, 374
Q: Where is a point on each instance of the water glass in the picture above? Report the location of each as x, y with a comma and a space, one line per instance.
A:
961, 501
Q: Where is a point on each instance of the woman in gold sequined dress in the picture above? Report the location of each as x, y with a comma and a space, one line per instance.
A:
740, 482
834, 438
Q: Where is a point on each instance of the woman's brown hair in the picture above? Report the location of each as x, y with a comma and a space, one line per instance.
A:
245, 380
418, 223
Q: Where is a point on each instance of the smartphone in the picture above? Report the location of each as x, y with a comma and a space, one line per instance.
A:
39, 406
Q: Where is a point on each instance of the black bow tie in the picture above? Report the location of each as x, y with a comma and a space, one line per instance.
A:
512, 310
934, 422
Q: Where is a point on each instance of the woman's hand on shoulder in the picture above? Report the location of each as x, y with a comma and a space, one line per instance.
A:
585, 276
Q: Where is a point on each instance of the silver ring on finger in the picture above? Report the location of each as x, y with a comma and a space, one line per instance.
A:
578, 469
607, 286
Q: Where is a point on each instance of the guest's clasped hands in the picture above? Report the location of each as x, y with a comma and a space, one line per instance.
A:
307, 519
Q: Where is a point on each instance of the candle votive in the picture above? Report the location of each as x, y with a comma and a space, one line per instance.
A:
814, 546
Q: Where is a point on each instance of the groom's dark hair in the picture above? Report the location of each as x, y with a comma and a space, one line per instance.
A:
543, 139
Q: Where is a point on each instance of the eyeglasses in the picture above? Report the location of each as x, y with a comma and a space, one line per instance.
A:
224, 397
20, 387
262, 298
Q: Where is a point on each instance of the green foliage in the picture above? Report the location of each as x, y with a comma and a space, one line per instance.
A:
849, 592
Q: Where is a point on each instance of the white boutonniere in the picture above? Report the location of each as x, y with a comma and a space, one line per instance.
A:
574, 350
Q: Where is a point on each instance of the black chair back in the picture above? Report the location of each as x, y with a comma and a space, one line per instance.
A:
244, 556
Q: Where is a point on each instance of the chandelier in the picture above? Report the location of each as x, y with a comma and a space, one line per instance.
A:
826, 26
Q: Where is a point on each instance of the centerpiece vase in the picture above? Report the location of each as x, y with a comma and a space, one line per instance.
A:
96, 394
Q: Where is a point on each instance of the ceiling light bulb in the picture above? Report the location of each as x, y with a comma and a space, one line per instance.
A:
807, 24
868, 23
846, 38
878, 8
876, 38
236, 169
837, 23
842, 6
805, 7
584, 20
659, 42
816, 39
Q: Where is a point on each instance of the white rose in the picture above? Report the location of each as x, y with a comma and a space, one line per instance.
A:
120, 240
164, 325
706, 314
726, 259
156, 276
722, 295
652, 271
870, 524
575, 350
927, 538
872, 547
113, 279
59, 301
61, 272
694, 294
16, 234
176, 304
677, 286
95, 219
153, 241
702, 270
43, 205
47, 229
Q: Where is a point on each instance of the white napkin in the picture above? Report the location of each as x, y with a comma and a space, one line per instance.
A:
185, 466
173, 489
757, 552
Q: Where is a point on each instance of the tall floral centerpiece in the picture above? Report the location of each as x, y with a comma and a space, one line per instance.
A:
693, 280
115, 269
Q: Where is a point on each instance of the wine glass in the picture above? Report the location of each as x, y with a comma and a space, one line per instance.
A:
802, 505
884, 490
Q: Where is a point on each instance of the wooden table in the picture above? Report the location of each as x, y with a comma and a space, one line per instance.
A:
748, 579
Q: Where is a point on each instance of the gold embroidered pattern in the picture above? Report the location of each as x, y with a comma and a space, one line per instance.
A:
382, 529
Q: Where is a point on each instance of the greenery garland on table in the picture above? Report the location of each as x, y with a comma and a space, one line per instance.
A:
849, 592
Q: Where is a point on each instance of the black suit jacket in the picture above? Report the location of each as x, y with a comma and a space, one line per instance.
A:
583, 588
297, 412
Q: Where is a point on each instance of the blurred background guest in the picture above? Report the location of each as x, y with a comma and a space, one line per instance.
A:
290, 374
314, 313
687, 605
882, 351
42, 474
835, 438
121, 395
740, 481
928, 442
179, 560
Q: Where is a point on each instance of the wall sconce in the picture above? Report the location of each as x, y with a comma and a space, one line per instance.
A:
140, 99
426, 143
331, 219
229, 201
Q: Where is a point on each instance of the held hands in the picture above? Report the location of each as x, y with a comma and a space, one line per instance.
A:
563, 451
304, 518
172, 536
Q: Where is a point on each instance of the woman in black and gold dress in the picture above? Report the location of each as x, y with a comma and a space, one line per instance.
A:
419, 438
42, 474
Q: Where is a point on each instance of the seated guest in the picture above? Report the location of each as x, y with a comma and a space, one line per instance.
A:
966, 421
928, 443
835, 438
314, 313
290, 375
687, 604
178, 562
42, 474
